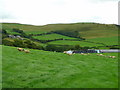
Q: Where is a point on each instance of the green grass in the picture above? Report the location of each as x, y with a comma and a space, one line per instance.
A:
12, 33
52, 37
34, 32
81, 43
106, 40
44, 69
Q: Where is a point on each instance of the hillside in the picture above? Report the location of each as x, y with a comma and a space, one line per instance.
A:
44, 69
76, 35
86, 30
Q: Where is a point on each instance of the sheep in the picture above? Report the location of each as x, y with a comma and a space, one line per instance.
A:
112, 56
26, 51
84, 53
20, 49
100, 55
64, 51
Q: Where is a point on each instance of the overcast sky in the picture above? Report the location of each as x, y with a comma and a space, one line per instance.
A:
41, 12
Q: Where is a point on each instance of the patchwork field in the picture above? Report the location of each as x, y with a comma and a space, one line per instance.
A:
81, 43
52, 37
44, 69
34, 32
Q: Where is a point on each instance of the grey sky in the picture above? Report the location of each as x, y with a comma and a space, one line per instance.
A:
40, 12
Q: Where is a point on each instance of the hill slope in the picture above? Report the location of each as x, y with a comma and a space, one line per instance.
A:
43, 69
86, 30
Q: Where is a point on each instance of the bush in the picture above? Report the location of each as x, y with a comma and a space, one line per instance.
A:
30, 44
7, 42
19, 43
4, 31
77, 47
17, 30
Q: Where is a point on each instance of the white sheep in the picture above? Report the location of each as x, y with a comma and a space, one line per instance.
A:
26, 51
20, 49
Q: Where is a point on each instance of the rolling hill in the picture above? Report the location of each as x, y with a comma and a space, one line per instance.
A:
86, 30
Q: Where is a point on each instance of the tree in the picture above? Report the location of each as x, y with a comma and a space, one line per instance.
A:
4, 31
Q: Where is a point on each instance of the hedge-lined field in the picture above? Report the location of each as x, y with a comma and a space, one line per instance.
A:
44, 69
81, 43
12, 32
34, 32
52, 37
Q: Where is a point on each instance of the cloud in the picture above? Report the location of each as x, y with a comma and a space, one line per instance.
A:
40, 12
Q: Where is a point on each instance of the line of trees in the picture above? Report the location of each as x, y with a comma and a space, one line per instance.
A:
74, 34
21, 43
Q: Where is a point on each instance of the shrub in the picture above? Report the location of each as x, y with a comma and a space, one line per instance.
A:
17, 30
7, 42
18, 43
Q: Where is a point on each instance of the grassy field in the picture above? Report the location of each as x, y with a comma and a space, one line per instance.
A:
12, 33
52, 37
81, 43
106, 40
34, 32
44, 69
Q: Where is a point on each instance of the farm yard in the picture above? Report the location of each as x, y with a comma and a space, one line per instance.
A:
42, 64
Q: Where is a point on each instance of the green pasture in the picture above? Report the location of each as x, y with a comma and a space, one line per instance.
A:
24, 27
34, 32
81, 43
12, 32
52, 37
106, 40
44, 69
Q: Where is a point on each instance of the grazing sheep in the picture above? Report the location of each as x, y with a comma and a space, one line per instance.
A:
26, 51
20, 49
100, 55
113, 57
110, 56
82, 53
64, 51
